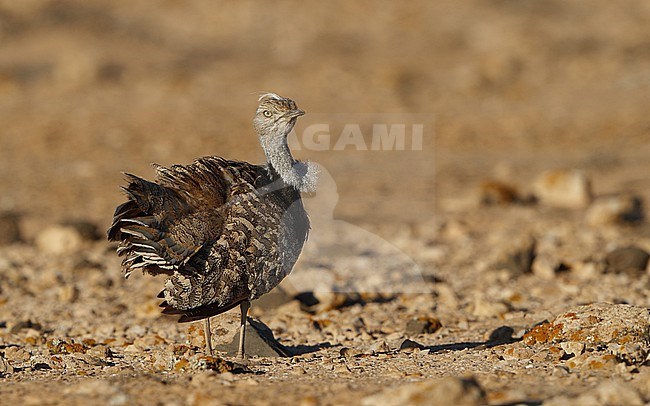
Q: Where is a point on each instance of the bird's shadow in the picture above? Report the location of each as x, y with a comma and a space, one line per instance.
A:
297, 350
310, 304
467, 345
288, 351
500, 336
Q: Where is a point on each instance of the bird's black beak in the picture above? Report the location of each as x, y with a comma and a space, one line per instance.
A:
294, 113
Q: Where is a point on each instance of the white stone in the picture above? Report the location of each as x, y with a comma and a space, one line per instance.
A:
5, 367
484, 309
544, 266
574, 348
563, 188
59, 240
613, 210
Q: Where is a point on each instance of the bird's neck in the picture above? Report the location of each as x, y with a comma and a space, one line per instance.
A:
279, 158
292, 172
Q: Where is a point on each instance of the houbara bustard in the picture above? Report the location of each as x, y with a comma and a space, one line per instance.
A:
226, 232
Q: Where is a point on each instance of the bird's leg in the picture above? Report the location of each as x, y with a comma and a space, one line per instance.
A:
208, 336
244, 306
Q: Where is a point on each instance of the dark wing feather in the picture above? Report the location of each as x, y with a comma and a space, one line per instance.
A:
201, 312
173, 225
222, 230
162, 225
218, 277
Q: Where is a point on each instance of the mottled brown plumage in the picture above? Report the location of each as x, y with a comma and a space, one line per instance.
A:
226, 232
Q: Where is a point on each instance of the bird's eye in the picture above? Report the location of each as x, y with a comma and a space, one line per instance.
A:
267, 113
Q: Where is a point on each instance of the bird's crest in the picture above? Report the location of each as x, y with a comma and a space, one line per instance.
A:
270, 96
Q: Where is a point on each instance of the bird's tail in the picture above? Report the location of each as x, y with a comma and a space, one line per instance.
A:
139, 226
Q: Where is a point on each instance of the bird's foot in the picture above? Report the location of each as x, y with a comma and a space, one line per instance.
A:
241, 359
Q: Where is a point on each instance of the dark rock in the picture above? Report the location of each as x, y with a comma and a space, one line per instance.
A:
635, 212
501, 334
410, 345
27, 324
495, 192
518, 257
627, 259
41, 366
86, 229
259, 342
9, 228
349, 352
422, 325
307, 300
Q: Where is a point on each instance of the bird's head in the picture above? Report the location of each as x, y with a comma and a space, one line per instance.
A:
274, 119
275, 116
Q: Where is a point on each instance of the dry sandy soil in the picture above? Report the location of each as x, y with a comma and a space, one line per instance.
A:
514, 276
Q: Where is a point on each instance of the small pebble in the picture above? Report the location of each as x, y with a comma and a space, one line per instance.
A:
136, 330
630, 259
586, 270
517, 256
378, 347
41, 362
349, 352
100, 351
484, 308
563, 188
17, 354
501, 334
68, 293
560, 371
9, 228
545, 266
422, 325
517, 353
5, 367
59, 240
341, 369
132, 349
446, 296
298, 370
613, 210
410, 345
573, 348
496, 192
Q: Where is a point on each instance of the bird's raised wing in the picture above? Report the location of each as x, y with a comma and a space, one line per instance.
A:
164, 224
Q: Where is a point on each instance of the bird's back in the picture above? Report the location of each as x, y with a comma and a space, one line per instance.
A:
224, 231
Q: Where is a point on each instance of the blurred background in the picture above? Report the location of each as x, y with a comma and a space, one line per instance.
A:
89, 89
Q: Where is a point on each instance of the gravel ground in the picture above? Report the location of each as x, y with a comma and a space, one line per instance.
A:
72, 327
506, 262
